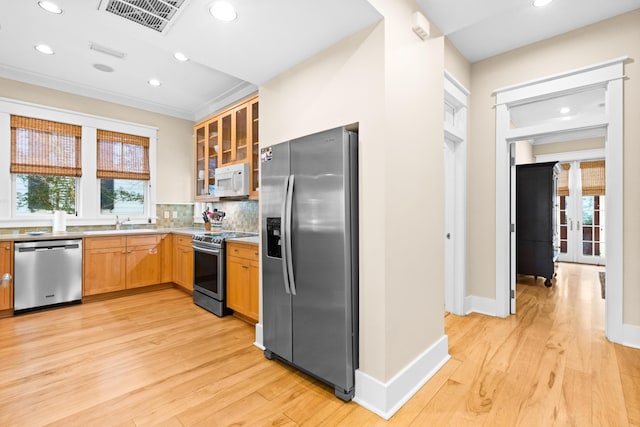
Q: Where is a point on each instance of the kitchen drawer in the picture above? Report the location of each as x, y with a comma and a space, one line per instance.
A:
182, 240
242, 250
105, 242
143, 240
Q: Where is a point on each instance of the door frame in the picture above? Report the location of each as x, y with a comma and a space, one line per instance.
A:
610, 75
455, 149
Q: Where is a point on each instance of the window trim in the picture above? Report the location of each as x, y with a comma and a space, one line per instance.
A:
87, 191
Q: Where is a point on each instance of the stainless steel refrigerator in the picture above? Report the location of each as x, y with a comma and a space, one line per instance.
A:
308, 191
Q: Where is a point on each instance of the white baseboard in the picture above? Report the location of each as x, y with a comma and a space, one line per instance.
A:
631, 335
259, 340
385, 399
474, 304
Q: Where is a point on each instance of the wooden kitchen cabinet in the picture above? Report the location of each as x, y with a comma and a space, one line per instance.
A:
242, 279
143, 261
6, 266
183, 261
166, 255
105, 267
227, 138
115, 263
206, 151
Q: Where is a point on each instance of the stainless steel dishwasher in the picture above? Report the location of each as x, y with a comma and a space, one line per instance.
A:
47, 272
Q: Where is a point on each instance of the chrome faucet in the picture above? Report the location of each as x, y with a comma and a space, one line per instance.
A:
119, 223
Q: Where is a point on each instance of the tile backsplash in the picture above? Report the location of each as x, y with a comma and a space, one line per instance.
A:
241, 215
184, 215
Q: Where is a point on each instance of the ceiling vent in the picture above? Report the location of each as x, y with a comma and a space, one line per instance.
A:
154, 14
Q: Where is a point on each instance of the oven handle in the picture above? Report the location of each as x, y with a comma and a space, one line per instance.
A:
206, 250
283, 237
292, 280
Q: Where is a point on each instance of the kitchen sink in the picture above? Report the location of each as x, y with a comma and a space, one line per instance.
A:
126, 231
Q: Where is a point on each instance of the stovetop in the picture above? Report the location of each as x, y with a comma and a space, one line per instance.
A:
213, 237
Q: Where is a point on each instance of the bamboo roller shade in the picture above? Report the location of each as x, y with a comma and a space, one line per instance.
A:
43, 147
122, 156
563, 180
593, 178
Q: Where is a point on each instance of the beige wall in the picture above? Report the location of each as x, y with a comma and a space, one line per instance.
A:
603, 41
568, 146
175, 136
456, 64
524, 153
391, 83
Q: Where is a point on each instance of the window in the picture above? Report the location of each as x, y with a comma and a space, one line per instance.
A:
123, 170
46, 162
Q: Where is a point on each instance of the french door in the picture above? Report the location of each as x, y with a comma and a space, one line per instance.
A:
582, 234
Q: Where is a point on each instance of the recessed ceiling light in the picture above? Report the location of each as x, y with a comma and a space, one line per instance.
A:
565, 110
43, 48
50, 7
223, 11
180, 56
541, 3
154, 82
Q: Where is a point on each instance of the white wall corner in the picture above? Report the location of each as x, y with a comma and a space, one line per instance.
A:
630, 335
259, 340
385, 399
474, 304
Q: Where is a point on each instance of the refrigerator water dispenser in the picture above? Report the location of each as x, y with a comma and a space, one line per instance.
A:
274, 246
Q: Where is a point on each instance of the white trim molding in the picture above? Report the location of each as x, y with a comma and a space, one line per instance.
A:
608, 75
259, 337
385, 399
455, 136
481, 305
631, 335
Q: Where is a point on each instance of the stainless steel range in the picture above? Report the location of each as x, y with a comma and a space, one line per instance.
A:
209, 270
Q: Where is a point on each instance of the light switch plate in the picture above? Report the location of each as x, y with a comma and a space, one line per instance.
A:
175, 214
166, 214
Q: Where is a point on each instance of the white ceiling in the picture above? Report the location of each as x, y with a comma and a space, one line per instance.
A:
484, 28
229, 60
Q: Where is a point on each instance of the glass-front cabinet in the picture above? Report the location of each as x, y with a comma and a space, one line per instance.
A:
227, 138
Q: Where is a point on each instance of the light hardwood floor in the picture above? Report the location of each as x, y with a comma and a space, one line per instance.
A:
157, 359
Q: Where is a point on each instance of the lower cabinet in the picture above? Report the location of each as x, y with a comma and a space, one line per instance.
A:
183, 261
166, 255
121, 262
242, 279
6, 266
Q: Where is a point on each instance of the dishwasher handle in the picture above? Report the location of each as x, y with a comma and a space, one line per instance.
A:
48, 248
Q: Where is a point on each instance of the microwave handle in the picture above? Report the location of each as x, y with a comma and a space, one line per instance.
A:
233, 181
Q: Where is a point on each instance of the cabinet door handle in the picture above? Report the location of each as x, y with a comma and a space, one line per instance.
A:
245, 266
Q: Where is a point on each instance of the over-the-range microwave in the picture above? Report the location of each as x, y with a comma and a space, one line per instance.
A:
232, 180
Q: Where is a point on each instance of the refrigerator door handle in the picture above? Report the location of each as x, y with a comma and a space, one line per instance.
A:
292, 281
283, 231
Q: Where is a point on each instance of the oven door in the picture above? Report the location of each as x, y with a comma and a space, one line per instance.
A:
208, 271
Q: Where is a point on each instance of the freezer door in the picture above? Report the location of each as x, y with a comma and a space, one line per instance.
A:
276, 302
321, 249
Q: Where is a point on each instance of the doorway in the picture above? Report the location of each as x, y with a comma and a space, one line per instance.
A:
606, 77
455, 203
582, 211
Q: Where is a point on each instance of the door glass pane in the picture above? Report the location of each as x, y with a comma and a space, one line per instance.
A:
593, 233
564, 224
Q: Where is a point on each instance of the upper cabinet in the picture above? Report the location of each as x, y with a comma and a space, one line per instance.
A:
227, 138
